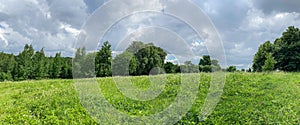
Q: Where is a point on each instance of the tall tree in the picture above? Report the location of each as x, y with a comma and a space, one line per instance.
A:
231, 69
148, 58
135, 46
205, 64
171, 68
189, 67
39, 67
133, 66
287, 50
7, 63
261, 56
205, 60
215, 65
269, 63
24, 61
78, 63
56, 66
66, 70
142, 58
124, 64
103, 61
83, 64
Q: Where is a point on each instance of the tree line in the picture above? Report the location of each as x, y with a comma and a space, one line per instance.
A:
30, 64
141, 59
283, 54
137, 59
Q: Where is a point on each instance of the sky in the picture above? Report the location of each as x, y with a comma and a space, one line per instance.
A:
56, 25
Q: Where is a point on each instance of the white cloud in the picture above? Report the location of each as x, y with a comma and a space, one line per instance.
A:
69, 29
3, 40
55, 24
248, 31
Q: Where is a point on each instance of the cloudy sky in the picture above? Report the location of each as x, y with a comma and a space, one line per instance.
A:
56, 24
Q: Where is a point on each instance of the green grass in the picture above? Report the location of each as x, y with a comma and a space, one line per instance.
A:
248, 98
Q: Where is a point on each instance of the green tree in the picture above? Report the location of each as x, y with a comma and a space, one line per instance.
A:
287, 50
205, 64
78, 63
39, 67
148, 58
88, 65
124, 64
103, 61
66, 70
133, 66
231, 69
269, 63
142, 58
205, 60
135, 46
215, 65
84, 64
7, 63
56, 66
249, 70
24, 63
261, 56
189, 67
171, 68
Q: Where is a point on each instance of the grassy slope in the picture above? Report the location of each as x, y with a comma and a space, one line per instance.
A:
247, 99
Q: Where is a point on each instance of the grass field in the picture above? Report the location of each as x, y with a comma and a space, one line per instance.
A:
248, 98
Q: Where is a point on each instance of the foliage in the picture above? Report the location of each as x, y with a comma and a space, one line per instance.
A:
29, 64
136, 46
189, 67
84, 64
39, 67
139, 59
208, 65
261, 56
285, 51
269, 63
148, 58
231, 69
215, 65
205, 61
206, 68
56, 66
171, 68
7, 63
66, 68
124, 64
103, 61
23, 70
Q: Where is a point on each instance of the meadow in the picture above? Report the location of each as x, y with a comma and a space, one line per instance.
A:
248, 98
